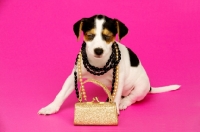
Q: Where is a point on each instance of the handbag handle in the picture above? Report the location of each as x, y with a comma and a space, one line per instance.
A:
101, 85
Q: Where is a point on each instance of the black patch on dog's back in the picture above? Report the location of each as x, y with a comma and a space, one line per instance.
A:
134, 61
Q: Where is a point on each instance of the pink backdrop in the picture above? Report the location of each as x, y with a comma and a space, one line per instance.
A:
38, 49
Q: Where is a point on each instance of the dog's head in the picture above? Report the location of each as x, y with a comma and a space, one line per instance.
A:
99, 33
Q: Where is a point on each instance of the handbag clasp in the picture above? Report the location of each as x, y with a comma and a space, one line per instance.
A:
95, 99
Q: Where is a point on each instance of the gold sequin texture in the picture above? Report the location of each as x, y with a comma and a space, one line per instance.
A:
90, 113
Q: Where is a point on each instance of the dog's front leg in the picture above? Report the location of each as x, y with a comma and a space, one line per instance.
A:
66, 90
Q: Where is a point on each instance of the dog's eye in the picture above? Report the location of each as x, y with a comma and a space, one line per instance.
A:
90, 36
106, 37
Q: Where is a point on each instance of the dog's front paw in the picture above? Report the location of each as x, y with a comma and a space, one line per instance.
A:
49, 109
125, 102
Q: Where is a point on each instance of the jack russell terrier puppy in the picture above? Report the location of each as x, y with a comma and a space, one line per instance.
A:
99, 37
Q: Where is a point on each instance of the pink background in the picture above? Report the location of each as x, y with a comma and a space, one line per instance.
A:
38, 50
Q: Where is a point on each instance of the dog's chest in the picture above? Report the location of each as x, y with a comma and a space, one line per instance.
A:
105, 78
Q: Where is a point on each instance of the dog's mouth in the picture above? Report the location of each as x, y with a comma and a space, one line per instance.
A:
98, 56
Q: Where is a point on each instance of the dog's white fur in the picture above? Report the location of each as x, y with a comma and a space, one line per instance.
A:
133, 81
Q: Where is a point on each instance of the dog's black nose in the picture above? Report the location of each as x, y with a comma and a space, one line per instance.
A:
98, 51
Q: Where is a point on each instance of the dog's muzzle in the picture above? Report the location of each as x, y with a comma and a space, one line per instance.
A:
98, 51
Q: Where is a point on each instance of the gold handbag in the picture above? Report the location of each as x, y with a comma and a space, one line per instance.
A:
95, 112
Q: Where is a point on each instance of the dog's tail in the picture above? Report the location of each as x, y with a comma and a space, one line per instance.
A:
164, 88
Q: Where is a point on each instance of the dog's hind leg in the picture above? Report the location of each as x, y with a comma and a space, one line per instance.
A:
135, 95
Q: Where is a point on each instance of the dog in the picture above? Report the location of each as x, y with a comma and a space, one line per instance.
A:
100, 32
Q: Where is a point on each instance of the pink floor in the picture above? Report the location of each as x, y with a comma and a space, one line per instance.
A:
38, 49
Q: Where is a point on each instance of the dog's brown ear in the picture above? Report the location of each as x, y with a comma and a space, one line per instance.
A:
78, 28
122, 30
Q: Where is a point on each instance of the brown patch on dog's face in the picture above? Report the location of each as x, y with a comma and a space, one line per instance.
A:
107, 36
89, 35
